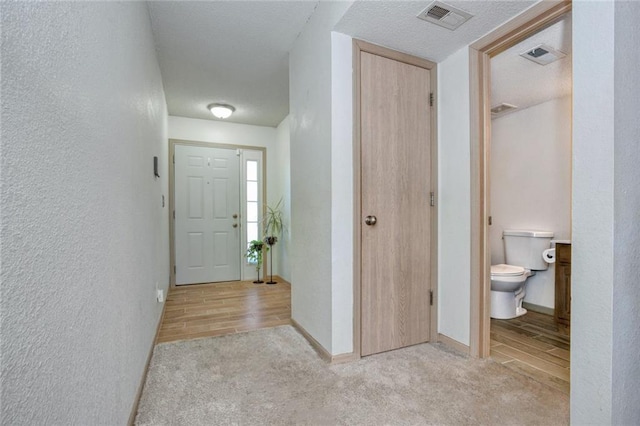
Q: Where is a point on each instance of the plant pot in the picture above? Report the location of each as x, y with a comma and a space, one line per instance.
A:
271, 240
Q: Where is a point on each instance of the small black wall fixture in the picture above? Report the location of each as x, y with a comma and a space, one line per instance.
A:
155, 167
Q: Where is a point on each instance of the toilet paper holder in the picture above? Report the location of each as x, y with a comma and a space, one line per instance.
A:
549, 255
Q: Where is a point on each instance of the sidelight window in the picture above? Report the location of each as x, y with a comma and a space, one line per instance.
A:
252, 201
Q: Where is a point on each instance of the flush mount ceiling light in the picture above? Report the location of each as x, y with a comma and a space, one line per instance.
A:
221, 110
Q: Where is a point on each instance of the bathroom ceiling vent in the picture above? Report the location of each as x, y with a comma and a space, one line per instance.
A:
502, 109
543, 54
444, 15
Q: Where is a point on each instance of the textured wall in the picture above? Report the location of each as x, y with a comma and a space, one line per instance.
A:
626, 291
341, 193
84, 235
592, 271
283, 171
531, 182
310, 120
454, 221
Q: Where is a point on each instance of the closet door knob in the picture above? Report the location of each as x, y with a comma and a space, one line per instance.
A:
370, 220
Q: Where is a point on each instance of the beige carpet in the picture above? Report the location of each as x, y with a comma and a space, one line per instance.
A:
273, 376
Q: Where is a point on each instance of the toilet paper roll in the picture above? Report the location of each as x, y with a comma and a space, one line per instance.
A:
549, 255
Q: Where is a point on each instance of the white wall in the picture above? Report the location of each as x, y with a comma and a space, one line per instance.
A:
272, 139
84, 236
592, 273
342, 193
605, 319
214, 131
454, 221
283, 170
311, 192
531, 182
626, 291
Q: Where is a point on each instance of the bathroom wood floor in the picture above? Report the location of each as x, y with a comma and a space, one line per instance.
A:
207, 310
533, 346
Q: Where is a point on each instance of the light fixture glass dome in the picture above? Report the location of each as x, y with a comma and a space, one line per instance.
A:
221, 110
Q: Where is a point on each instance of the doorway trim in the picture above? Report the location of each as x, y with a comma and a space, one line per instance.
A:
358, 47
536, 18
172, 145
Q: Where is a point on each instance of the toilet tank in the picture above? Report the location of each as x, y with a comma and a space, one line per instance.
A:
524, 248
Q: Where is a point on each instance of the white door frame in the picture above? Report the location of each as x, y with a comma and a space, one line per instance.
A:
263, 197
521, 27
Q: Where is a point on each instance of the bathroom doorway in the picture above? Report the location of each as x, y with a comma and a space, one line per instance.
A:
530, 22
530, 189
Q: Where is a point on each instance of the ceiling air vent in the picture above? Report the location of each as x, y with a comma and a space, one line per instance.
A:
502, 109
543, 54
444, 15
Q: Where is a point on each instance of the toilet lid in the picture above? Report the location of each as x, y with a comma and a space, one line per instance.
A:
506, 270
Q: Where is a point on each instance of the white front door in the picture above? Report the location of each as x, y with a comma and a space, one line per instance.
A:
207, 208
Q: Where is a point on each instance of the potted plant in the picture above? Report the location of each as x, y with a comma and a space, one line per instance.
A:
273, 227
254, 255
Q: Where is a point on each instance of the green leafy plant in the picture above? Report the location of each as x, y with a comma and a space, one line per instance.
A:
273, 223
254, 255
255, 251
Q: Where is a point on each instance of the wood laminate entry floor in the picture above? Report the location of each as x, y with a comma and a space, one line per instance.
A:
532, 345
207, 310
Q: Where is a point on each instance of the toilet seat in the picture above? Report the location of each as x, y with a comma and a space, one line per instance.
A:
506, 277
507, 290
504, 270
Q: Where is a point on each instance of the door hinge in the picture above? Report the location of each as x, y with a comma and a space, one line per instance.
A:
174, 215
431, 297
432, 199
174, 159
174, 269
490, 220
431, 99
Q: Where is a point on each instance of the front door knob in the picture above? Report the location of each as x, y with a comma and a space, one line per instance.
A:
235, 225
370, 220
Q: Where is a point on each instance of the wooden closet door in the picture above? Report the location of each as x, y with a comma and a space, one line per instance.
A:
395, 190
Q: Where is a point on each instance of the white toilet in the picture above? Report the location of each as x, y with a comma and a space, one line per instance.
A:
523, 254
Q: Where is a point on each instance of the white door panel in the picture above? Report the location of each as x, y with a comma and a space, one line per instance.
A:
207, 236
195, 194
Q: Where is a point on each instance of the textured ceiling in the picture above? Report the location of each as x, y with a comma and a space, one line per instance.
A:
394, 24
233, 52
236, 52
518, 81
